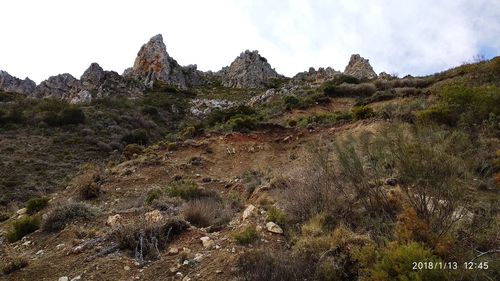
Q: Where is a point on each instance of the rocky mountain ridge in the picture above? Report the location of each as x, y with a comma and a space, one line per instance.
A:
249, 70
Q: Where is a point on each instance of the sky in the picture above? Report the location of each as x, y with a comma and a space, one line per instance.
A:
44, 38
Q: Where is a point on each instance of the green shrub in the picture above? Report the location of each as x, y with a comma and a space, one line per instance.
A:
152, 195
132, 149
60, 216
34, 205
464, 104
241, 123
291, 102
218, 116
14, 265
246, 236
362, 112
276, 215
396, 263
184, 189
136, 137
55, 116
23, 227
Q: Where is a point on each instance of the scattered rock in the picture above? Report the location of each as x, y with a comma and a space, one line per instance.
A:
114, 220
77, 278
360, 68
249, 211
198, 257
126, 268
179, 274
64, 278
207, 242
274, 228
12, 84
248, 70
153, 216
173, 251
186, 278
39, 253
21, 211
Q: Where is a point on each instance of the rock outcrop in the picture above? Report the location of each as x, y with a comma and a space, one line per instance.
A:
316, 76
360, 68
103, 83
248, 70
62, 86
154, 64
12, 84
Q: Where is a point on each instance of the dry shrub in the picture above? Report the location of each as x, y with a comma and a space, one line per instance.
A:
88, 182
261, 265
410, 227
145, 240
14, 264
206, 212
59, 217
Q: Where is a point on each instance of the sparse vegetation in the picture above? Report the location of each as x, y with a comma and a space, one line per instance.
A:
184, 189
23, 227
59, 217
246, 236
206, 212
14, 264
34, 205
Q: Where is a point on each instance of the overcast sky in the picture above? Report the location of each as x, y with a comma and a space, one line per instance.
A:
44, 38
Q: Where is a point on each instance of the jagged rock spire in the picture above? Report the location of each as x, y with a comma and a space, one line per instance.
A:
12, 84
360, 68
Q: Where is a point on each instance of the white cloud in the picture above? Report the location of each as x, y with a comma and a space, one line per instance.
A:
43, 38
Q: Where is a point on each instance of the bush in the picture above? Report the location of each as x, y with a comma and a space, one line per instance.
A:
14, 265
350, 90
60, 216
396, 263
206, 212
23, 227
34, 205
132, 149
246, 236
62, 114
362, 112
276, 215
146, 240
466, 105
218, 116
241, 123
252, 180
291, 102
262, 265
184, 189
152, 195
139, 137
87, 183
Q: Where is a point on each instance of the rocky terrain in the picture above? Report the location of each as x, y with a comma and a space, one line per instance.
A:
170, 173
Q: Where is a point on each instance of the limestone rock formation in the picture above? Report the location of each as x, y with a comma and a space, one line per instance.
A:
248, 70
154, 64
360, 68
103, 83
62, 86
316, 76
12, 84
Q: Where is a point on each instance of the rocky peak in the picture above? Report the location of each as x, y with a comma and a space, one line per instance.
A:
92, 77
12, 84
360, 68
153, 63
248, 70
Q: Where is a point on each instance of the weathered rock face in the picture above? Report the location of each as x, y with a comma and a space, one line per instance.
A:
62, 86
12, 84
249, 70
154, 64
316, 76
360, 68
93, 77
101, 83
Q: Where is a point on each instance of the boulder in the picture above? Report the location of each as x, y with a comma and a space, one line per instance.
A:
316, 76
12, 84
274, 228
248, 70
360, 68
207, 242
248, 212
83, 97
